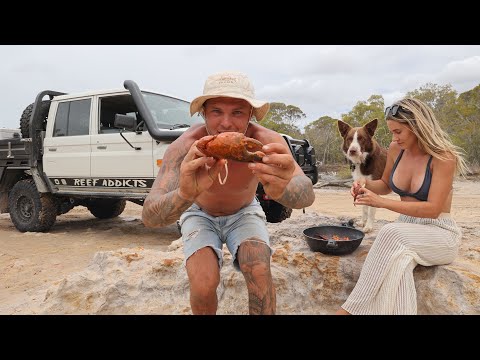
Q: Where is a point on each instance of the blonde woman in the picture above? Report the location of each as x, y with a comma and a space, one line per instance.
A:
421, 165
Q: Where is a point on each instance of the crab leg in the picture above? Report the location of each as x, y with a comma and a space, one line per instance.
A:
356, 193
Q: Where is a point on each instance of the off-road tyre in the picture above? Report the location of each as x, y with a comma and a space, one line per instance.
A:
276, 212
106, 208
27, 114
64, 206
29, 209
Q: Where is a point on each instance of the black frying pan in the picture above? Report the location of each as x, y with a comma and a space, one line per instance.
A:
320, 238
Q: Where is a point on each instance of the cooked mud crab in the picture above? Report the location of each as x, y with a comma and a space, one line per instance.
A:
232, 146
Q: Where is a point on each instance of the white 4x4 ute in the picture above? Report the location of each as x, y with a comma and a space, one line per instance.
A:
99, 149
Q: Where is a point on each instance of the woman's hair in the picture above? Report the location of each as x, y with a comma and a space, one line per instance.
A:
431, 138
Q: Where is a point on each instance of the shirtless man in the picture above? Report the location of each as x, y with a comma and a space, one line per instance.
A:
212, 214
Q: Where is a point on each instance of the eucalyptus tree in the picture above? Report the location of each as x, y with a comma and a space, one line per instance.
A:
284, 119
324, 136
364, 112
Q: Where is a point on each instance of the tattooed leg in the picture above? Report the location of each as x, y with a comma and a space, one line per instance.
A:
254, 261
204, 276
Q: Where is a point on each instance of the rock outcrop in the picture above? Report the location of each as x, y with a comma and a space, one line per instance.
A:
139, 281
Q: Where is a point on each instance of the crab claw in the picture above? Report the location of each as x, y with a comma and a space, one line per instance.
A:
252, 149
203, 143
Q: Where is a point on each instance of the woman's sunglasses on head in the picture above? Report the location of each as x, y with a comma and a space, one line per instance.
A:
394, 109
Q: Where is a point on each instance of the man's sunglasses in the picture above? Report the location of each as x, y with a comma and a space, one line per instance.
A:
394, 109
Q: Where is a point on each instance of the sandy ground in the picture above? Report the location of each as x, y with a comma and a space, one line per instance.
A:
32, 262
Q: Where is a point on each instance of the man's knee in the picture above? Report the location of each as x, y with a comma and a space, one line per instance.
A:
254, 257
203, 271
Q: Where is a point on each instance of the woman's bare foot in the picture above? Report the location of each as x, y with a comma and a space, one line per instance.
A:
342, 312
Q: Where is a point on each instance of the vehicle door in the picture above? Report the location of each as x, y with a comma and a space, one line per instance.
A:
120, 162
66, 156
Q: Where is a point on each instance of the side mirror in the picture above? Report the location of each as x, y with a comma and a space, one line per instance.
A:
125, 122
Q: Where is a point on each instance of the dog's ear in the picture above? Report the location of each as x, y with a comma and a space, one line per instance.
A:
371, 126
343, 127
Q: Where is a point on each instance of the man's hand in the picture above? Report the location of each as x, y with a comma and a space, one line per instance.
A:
197, 173
276, 169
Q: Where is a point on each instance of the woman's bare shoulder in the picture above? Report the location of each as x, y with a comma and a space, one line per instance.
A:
448, 156
445, 160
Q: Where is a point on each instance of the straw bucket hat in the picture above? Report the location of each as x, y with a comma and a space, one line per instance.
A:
230, 84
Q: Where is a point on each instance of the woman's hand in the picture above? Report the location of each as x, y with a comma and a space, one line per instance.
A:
356, 186
368, 197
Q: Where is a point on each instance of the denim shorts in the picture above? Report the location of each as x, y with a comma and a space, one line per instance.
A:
200, 229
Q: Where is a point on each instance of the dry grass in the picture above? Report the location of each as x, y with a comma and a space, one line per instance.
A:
341, 171
344, 172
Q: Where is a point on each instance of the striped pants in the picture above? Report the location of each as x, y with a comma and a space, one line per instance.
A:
386, 285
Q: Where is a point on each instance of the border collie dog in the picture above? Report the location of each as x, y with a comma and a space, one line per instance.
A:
367, 160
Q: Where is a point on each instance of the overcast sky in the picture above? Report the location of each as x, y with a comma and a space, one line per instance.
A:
319, 79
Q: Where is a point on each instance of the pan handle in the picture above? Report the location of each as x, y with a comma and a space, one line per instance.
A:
349, 224
332, 244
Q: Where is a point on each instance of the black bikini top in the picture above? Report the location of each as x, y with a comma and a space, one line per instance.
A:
422, 193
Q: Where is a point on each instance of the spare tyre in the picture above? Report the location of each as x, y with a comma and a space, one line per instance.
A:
27, 114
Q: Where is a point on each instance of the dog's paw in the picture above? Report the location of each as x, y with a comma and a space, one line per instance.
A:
367, 228
359, 223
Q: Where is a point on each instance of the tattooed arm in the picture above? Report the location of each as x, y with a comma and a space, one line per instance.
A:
298, 193
163, 204
185, 173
